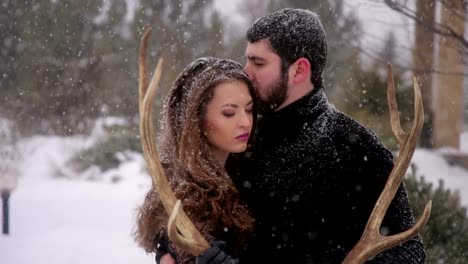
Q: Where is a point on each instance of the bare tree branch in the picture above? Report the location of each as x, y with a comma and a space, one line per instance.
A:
438, 28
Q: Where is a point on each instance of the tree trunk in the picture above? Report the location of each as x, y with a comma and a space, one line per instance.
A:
423, 60
448, 114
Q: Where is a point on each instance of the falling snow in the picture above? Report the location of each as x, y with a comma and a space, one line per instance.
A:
58, 220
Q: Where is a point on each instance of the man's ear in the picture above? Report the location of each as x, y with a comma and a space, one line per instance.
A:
300, 70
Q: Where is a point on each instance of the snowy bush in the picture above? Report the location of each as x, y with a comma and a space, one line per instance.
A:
109, 152
445, 235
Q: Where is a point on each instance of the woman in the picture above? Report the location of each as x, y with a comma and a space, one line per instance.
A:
208, 114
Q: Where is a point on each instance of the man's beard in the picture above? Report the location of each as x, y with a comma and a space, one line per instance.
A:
277, 96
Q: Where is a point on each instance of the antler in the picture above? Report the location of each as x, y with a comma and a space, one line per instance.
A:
371, 242
181, 230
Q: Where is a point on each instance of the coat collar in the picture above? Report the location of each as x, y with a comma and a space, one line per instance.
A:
308, 106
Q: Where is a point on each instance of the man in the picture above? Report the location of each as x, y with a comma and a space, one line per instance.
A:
313, 174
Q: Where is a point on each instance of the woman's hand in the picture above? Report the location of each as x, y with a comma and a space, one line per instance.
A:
167, 259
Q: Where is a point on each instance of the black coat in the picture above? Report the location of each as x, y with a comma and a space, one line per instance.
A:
311, 180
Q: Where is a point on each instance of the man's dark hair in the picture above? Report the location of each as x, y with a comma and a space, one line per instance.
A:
293, 34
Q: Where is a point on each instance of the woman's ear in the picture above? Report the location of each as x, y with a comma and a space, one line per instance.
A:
300, 70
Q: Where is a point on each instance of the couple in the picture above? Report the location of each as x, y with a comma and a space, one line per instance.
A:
295, 187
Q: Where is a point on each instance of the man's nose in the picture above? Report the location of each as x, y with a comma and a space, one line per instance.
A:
249, 72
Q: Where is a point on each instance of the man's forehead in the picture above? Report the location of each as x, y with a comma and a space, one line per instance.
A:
258, 50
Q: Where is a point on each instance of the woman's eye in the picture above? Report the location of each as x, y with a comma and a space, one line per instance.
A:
228, 114
250, 111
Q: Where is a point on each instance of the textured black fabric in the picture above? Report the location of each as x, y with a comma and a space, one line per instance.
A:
311, 180
214, 255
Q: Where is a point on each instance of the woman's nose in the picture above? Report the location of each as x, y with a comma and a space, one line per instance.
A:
245, 120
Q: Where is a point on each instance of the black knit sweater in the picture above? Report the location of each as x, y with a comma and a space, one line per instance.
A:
311, 180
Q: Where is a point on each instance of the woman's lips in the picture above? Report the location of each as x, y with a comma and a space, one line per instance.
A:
243, 137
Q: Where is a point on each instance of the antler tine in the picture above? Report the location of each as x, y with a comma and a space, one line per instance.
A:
143, 73
371, 242
182, 231
175, 225
400, 135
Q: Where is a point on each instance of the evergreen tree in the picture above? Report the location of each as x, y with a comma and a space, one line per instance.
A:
118, 72
366, 97
57, 60
445, 235
9, 49
60, 63
181, 32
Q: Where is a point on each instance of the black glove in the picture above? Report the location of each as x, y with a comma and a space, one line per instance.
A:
215, 255
158, 256
162, 248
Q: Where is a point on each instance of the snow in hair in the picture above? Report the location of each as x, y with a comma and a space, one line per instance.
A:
293, 34
187, 93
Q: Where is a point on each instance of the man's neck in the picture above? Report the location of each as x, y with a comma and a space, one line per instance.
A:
296, 93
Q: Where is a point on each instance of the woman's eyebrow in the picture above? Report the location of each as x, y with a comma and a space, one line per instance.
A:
231, 105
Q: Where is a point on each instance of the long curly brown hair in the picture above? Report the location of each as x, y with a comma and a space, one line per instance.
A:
208, 194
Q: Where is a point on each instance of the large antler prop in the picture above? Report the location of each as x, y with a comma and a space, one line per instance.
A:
181, 230
371, 242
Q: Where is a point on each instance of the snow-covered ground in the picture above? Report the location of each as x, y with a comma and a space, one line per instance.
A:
58, 216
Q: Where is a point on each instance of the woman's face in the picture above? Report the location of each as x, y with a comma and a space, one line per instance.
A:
228, 118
